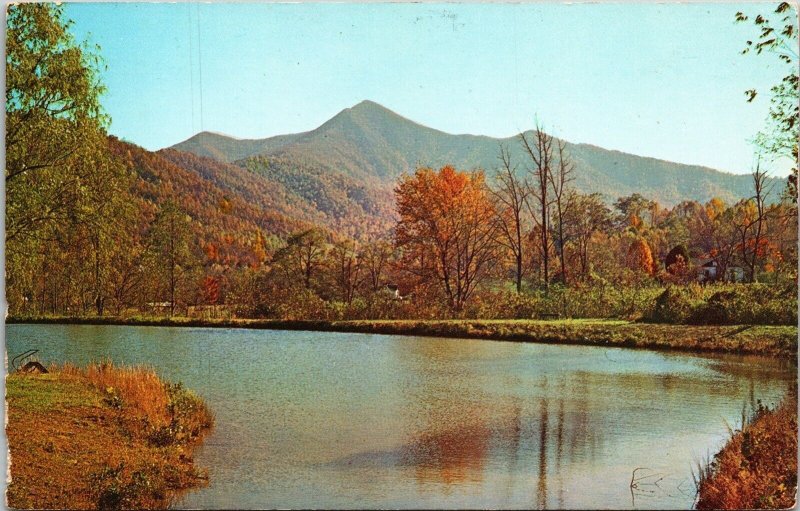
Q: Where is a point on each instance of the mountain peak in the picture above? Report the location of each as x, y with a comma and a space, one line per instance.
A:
370, 108
215, 134
367, 115
368, 104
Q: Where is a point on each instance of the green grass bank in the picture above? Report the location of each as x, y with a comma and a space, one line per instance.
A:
768, 340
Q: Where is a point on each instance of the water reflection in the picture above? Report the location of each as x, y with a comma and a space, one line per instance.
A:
340, 420
450, 457
541, 487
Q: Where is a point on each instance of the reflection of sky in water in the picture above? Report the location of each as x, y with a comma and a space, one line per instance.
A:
309, 419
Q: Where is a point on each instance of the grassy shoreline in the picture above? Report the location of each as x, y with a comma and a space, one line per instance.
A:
757, 467
101, 437
774, 341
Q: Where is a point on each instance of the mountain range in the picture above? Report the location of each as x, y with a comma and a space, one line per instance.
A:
247, 195
373, 145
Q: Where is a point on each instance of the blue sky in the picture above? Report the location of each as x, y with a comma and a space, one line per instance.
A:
661, 80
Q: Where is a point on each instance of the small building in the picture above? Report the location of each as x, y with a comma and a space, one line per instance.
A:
709, 271
393, 290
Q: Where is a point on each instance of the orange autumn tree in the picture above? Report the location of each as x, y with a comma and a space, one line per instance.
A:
640, 258
446, 229
210, 289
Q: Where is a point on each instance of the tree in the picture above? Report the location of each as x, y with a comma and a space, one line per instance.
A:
679, 252
587, 216
302, 256
639, 257
170, 249
55, 127
210, 290
720, 231
559, 181
511, 195
749, 223
127, 270
61, 180
347, 267
539, 149
632, 210
376, 256
777, 35
259, 249
448, 215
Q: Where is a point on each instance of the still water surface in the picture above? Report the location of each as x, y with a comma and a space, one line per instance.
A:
310, 419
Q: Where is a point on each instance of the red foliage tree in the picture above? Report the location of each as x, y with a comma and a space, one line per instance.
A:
210, 290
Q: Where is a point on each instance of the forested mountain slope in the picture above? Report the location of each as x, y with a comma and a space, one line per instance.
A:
374, 145
235, 209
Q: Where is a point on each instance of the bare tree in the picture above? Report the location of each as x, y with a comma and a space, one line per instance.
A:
751, 222
540, 150
348, 268
559, 180
511, 194
302, 256
376, 257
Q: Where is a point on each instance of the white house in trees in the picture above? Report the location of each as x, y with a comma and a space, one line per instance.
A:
709, 271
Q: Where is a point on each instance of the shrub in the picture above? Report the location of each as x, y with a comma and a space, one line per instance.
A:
778, 311
504, 305
172, 413
126, 487
736, 304
725, 308
757, 468
679, 255
674, 305
725, 304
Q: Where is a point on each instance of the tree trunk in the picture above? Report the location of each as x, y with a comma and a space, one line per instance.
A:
561, 251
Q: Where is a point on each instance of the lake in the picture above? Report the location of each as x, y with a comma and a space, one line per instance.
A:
311, 419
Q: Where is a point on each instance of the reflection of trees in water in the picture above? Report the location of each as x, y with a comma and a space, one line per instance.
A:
568, 435
471, 424
560, 450
455, 438
452, 456
584, 429
750, 367
452, 424
540, 438
541, 486
530, 430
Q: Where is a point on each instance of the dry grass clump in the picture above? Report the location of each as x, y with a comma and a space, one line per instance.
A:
101, 436
136, 387
171, 412
757, 468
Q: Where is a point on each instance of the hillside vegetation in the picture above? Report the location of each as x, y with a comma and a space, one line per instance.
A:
370, 142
